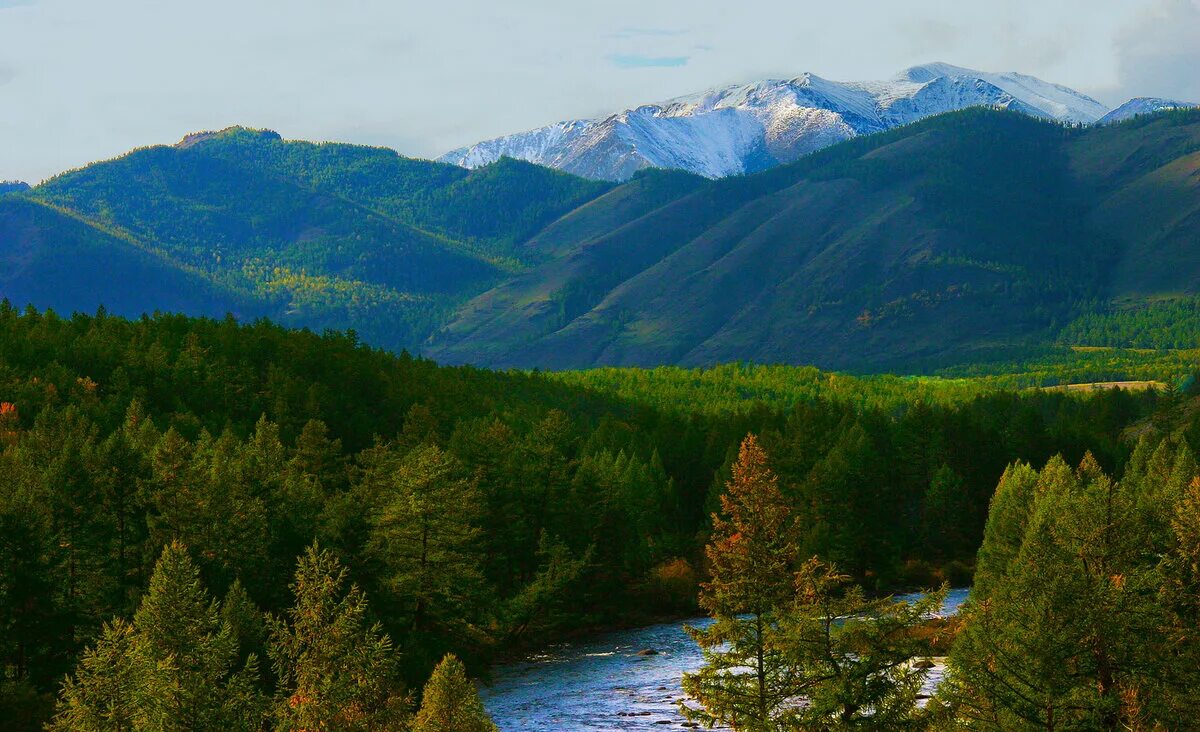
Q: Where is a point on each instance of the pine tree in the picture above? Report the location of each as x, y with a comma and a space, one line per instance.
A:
246, 620
1180, 595
945, 511
102, 693
185, 656
425, 534
1069, 629
336, 669
1008, 518
752, 557
203, 499
450, 702
850, 514
850, 657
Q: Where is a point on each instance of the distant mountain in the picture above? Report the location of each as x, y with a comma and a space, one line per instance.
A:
751, 127
13, 186
928, 244
1143, 105
321, 235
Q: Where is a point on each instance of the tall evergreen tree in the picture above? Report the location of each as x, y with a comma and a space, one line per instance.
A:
185, 656
747, 680
336, 669
1069, 634
450, 702
425, 534
1008, 518
1180, 595
102, 695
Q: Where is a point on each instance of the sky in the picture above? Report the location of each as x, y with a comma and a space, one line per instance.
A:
83, 80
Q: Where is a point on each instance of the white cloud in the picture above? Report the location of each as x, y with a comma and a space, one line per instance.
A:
1159, 53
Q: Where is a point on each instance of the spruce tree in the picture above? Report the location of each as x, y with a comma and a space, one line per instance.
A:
747, 678
336, 669
450, 702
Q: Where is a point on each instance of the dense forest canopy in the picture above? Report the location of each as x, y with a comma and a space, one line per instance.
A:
546, 504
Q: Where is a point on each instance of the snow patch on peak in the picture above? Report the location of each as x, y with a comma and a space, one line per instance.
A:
745, 127
1143, 105
928, 72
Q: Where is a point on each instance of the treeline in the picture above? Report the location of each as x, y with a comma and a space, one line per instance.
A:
740, 387
1079, 365
1167, 323
1084, 613
479, 511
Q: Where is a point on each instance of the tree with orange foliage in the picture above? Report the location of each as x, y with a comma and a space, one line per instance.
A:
10, 422
746, 681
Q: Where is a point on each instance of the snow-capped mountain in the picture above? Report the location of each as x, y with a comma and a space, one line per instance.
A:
749, 127
1143, 105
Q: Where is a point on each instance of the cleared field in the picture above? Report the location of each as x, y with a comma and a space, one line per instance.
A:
1101, 385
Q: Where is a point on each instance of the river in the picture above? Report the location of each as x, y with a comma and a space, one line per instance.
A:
603, 684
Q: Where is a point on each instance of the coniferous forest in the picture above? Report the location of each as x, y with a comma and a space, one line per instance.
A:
208, 524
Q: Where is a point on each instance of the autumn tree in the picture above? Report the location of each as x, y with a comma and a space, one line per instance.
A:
748, 678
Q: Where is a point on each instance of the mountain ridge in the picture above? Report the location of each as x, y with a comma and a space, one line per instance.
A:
744, 128
924, 245
920, 244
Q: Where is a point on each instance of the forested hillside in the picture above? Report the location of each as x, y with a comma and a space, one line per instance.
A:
938, 243
544, 505
241, 221
963, 238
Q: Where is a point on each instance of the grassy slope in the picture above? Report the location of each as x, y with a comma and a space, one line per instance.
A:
930, 241
974, 236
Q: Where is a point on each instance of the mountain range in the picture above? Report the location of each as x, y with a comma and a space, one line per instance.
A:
750, 127
935, 242
1143, 105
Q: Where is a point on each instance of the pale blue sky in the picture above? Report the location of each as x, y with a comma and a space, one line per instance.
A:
82, 80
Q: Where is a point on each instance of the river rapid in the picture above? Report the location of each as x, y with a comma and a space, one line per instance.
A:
602, 683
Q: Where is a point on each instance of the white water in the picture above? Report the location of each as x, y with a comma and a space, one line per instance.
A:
603, 684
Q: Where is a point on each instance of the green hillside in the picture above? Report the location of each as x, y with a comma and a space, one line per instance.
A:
942, 242
52, 257
323, 236
972, 237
